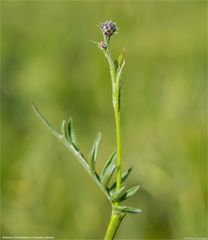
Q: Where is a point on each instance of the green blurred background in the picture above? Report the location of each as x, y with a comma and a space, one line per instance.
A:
47, 59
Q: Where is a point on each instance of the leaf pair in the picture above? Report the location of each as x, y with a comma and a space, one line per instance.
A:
69, 133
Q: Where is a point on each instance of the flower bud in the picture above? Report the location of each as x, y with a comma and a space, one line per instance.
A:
102, 45
108, 28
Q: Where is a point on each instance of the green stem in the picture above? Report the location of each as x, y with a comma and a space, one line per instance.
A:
115, 98
113, 226
118, 139
116, 217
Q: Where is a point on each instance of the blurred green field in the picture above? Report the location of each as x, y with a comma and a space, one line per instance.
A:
47, 58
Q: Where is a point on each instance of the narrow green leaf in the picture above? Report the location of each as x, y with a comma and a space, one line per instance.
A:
126, 209
111, 159
108, 169
120, 70
116, 65
96, 43
60, 137
124, 176
119, 59
119, 95
133, 210
115, 195
119, 84
93, 153
65, 138
129, 193
65, 132
108, 174
46, 123
71, 132
63, 128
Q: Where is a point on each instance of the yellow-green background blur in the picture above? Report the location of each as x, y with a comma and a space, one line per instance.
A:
47, 59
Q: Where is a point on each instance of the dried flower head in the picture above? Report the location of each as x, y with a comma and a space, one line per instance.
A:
108, 28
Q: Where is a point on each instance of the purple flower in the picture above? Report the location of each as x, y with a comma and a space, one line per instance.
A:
108, 28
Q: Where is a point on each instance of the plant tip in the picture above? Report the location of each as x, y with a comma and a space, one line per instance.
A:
108, 28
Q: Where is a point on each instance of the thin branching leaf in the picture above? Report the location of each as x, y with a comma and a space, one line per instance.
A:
46, 123
126, 209
94, 42
111, 159
108, 174
93, 153
129, 193
71, 147
60, 137
115, 195
124, 176
108, 169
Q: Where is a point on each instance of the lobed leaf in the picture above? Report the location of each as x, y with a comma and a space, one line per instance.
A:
93, 153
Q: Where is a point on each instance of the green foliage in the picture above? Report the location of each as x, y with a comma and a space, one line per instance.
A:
47, 59
125, 209
108, 169
116, 194
124, 176
68, 138
128, 193
93, 153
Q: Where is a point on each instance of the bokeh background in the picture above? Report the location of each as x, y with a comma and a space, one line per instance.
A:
47, 59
